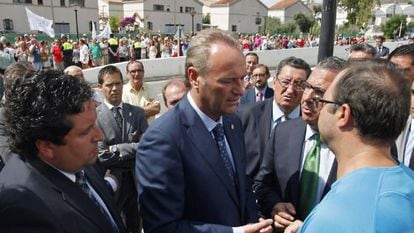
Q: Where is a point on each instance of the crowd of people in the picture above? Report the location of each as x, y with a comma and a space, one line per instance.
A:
328, 149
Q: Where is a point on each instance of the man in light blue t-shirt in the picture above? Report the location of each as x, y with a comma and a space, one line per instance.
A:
365, 109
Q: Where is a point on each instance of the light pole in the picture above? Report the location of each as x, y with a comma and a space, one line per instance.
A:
192, 13
77, 26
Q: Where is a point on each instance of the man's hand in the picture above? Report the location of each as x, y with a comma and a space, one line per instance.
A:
283, 213
294, 227
152, 108
263, 226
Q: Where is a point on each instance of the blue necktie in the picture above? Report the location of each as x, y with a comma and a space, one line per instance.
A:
218, 132
82, 182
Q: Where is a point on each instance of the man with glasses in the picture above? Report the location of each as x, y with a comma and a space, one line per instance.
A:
135, 92
365, 110
297, 169
260, 92
258, 120
251, 59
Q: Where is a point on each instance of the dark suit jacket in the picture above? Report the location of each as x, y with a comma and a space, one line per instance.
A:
135, 124
278, 178
35, 197
183, 184
256, 120
250, 96
384, 52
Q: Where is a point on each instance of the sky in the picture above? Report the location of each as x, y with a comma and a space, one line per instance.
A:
271, 2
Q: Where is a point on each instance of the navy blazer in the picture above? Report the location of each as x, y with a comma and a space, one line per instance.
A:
183, 184
256, 120
35, 197
250, 96
278, 178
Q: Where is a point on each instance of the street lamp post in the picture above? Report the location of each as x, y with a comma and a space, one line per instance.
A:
192, 12
77, 25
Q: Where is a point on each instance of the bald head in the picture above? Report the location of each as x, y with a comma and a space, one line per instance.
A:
74, 71
173, 91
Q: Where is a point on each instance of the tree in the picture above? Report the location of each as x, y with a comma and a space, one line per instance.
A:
114, 22
304, 22
359, 11
206, 19
395, 26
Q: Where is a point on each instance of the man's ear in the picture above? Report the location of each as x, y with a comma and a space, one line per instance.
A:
192, 74
45, 149
344, 116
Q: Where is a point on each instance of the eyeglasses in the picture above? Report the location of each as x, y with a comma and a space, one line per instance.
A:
297, 85
259, 75
318, 91
323, 101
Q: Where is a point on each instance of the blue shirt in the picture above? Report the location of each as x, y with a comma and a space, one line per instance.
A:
372, 199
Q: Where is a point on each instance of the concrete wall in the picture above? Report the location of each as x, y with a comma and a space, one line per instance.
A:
158, 71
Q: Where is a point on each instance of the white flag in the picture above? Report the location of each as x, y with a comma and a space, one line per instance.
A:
105, 33
93, 30
37, 22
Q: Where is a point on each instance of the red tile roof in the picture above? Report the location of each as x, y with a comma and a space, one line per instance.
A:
283, 4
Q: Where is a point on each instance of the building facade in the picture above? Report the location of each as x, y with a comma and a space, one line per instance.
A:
285, 10
62, 12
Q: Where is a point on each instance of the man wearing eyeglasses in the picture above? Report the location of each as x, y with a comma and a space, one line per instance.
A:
365, 110
260, 92
135, 92
297, 169
258, 120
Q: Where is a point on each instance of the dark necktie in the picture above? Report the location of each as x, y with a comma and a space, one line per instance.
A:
118, 116
309, 179
82, 182
218, 132
411, 165
259, 96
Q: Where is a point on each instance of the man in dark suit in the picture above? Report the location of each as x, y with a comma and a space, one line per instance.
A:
188, 179
259, 119
382, 51
251, 59
122, 125
280, 184
48, 185
403, 57
261, 90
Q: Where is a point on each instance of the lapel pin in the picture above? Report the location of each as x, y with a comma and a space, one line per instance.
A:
130, 113
232, 126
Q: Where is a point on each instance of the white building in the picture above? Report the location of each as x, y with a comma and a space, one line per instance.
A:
244, 16
162, 16
285, 10
62, 12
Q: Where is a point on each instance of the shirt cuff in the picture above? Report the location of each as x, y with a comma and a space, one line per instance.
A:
238, 229
111, 182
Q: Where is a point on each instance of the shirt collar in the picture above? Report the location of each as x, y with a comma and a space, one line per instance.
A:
256, 91
310, 132
208, 122
110, 106
128, 86
278, 113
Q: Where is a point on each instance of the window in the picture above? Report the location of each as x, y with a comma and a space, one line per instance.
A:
181, 9
39, 2
234, 28
158, 7
62, 3
198, 27
189, 9
61, 28
149, 25
8, 24
22, 1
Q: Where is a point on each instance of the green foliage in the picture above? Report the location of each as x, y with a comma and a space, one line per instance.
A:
304, 22
348, 30
114, 22
206, 19
359, 11
410, 25
274, 26
394, 25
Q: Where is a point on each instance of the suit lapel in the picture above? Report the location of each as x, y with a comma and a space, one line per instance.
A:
73, 195
251, 96
107, 121
205, 144
127, 114
267, 118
